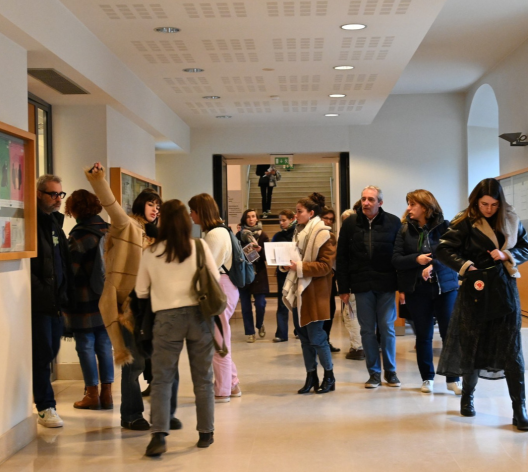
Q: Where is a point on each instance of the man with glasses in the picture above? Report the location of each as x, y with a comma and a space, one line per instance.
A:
51, 277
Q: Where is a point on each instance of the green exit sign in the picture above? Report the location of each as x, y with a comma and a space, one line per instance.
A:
282, 161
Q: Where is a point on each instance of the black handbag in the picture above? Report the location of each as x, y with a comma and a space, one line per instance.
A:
490, 292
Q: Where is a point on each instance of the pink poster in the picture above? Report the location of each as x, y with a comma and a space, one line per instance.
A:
16, 156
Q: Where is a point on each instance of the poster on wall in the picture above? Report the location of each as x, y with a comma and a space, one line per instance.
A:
16, 156
131, 188
5, 166
5, 234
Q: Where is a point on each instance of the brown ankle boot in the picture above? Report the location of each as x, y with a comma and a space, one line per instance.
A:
90, 400
107, 403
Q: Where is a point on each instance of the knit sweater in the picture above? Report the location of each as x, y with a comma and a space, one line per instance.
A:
219, 242
170, 284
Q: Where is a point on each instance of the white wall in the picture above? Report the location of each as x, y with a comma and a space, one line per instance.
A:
17, 427
509, 83
483, 154
415, 141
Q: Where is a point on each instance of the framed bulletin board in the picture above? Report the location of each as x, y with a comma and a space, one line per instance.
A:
126, 186
515, 186
18, 204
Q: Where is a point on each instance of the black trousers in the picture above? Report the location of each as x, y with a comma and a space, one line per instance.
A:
266, 193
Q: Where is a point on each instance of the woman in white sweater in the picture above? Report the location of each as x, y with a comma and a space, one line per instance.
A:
204, 212
165, 274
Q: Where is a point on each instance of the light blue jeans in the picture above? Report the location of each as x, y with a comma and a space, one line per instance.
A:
378, 309
90, 344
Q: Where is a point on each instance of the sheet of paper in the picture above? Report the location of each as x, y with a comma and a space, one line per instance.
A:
281, 253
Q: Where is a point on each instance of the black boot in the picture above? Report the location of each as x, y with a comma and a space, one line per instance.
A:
328, 384
518, 398
157, 445
311, 381
469, 382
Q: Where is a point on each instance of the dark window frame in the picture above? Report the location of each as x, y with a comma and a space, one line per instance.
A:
38, 103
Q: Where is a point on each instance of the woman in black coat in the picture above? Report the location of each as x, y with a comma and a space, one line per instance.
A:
251, 233
427, 287
484, 244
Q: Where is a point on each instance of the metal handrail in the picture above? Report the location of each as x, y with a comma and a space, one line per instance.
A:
248, 186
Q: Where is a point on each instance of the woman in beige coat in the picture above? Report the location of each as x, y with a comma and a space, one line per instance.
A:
308, 289
128, 236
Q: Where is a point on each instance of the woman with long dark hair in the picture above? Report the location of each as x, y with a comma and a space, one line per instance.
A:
204, 212
308, 289
165, 274
92, 343
485, 243
251, 233
426, 286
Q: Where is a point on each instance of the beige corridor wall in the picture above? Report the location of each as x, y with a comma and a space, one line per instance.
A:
17, 425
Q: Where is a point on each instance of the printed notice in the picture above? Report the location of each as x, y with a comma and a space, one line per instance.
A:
280, 254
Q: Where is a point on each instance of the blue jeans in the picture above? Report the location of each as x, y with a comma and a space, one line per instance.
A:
314, 342
377, 309
425, 304
247, 310
90, 344
46, 332
131, 399
282, 310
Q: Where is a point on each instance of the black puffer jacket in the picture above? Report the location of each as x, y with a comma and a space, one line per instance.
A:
364, 253
406, 251
46, 297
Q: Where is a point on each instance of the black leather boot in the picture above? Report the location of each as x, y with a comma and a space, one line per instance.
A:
469, 382
157, 445
328, 384
311, 381
518, 397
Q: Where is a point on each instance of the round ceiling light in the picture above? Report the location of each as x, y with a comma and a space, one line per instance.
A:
193, 70
353, 26
343, 67
211, 97
167, 29
337, 95
331, 114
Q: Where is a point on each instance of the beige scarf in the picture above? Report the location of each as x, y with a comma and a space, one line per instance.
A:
511, 229
309, 240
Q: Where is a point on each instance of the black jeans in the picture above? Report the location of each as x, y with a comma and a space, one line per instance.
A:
46, 336
266, 193
425, 304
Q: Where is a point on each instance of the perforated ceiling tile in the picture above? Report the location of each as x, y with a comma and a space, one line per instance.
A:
341, 106
216, 10
299, 106
206, 108
236, 57
253, 107
244, 84
304, 83
189, 85
167, 58
378, 7
348, 82
297, 8
134, 12
403, 7
363, 42
303, 44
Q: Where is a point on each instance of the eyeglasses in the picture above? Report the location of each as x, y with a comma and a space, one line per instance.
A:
55, 195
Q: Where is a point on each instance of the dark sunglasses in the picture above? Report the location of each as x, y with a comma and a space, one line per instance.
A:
55, 195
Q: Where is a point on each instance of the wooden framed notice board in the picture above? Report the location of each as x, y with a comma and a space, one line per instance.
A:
126, 186
18, 204
515, 186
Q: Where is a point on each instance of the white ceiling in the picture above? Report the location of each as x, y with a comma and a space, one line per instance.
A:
236, 41
409, 46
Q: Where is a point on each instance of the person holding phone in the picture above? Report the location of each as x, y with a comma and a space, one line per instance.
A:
485, 244
426, 286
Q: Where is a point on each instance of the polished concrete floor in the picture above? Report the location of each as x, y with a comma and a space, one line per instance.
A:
271, 428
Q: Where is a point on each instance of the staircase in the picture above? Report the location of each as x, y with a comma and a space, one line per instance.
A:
294, 185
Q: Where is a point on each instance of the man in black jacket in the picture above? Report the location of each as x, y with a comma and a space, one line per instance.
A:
51, 274
364, 267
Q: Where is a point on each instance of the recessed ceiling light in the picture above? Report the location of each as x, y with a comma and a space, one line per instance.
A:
167, 29
343, 67
337, 95
224, 116
331, 114
211, 97
353, 26
193, 69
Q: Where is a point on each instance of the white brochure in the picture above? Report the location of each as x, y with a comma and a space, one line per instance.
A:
280, 254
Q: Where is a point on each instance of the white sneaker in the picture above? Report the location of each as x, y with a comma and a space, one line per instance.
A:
427, 386
49, 418
455, 387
